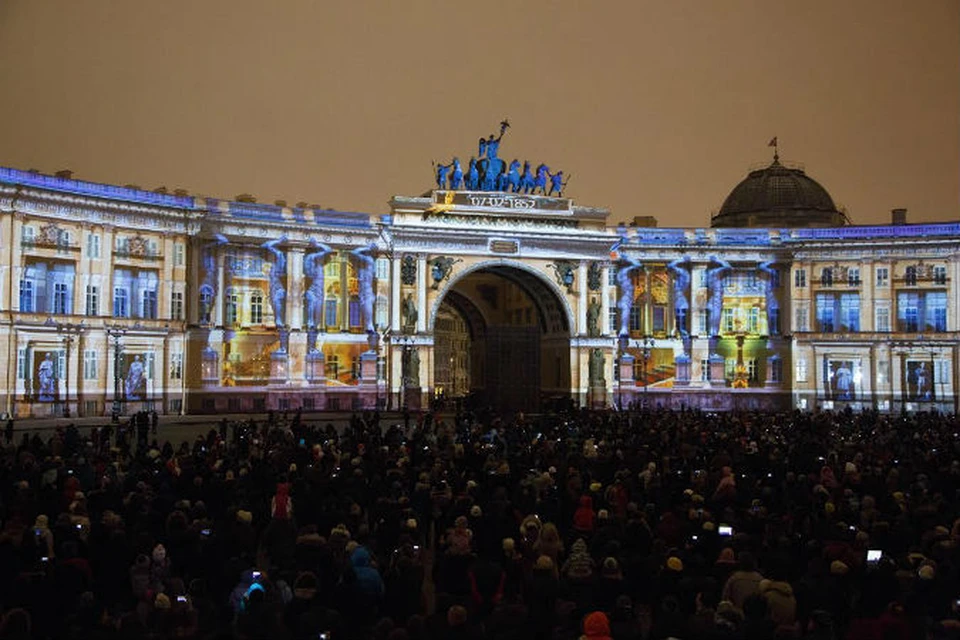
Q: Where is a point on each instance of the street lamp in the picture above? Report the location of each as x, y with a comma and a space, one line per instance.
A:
405, 341
116, 331
68, 333
646, 346
384, 340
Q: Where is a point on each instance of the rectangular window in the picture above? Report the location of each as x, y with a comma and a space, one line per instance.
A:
121, 303
176, 366
850, 312
800, 278
178, 254
908, 312
256, 308
940, 275
354, 314
148, 304
612, 318
826, 277
801, 368
93, 245
233, 304
330, 313
730, 368
936, 311
176, 305
612, 278
774, 322
705, 370
90, 368
26, 296
751, 369
659, 318
753, 320
383, 269
92, 303
883, 319
910, 276
28, 234
825, 313
22, 364
635, 318
776, 369
801, 318
703, 322
883, 372
883, 276
702, 278
382, 312
941, 374
729, 325
61, 298
853, 276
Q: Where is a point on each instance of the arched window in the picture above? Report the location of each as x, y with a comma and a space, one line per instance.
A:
256, 307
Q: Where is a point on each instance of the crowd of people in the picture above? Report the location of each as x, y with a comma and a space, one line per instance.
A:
581, 525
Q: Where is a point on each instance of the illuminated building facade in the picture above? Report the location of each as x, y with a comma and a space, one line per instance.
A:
116, 299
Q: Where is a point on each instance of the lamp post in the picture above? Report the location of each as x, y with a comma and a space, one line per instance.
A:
116, 332
646, 347
405, 341
384, 333
68, 333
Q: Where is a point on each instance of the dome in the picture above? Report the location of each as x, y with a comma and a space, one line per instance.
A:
778, 196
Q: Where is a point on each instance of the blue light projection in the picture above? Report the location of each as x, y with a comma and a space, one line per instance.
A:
95, 189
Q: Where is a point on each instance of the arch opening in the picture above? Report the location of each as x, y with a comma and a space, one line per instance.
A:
502, 341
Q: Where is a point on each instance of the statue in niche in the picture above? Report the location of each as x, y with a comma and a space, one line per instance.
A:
597, 364
134, 379
715, 282
409, 311
278, 293
208, 288
412, 373
593, 318
313, 269
472, 179
625, 283
681, 280
513, 177
365, 272
773, 307
46, 379
594, 276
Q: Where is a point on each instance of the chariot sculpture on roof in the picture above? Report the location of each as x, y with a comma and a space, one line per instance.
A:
489, 172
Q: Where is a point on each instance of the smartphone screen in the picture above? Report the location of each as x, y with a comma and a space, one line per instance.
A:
725, 530
873, 555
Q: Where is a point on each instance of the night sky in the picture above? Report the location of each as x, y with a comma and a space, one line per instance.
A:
653, 108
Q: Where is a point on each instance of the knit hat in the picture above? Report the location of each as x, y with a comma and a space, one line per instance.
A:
708, 526
674, 564
927, 572
544, 563
595, 487
244, 517
509, 544
838, 568
161, 601
726, 556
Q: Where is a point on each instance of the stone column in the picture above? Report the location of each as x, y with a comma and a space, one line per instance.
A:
294, 285
395, 301
106, 280
582, 304
344, 316
422, 310
220, 297
605, 327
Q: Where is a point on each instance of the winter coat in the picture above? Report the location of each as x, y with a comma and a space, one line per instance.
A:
781, 602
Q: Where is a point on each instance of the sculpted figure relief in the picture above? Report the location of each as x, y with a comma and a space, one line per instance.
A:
409, 311
134, 379
365, 272
313, 269
45, 375
597, 364
681, 305
593, 318
278, 270
715, 282
773, 307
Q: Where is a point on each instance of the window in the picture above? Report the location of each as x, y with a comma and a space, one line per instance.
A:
332, 269
776, 369
28, 234
753, 320
801, 318
635, 318
383, 269
936, 315
383, 312
122, 245
801, 367
176, 366
883, 372
850, 312
941, 372
612, 278
21, 364
774, 321
92, 304
121, 303
775, 278
702, 278
825, 313
148, 304
910, 276
727, 318
703, 322
256, 308
61, 298
853, 276
826, 277
178, 254
751, 369
612, 318
730, 368
883, 276
206, 305
233, 302
883, 319
90, 364
940, 275
26, 296
908, 312
176, 305
354, 310
800, 278
93, 245
330, 313
705, 370
333, 366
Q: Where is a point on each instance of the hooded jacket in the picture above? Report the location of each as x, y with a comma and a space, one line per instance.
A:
584, 516
369, 582
780, 600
